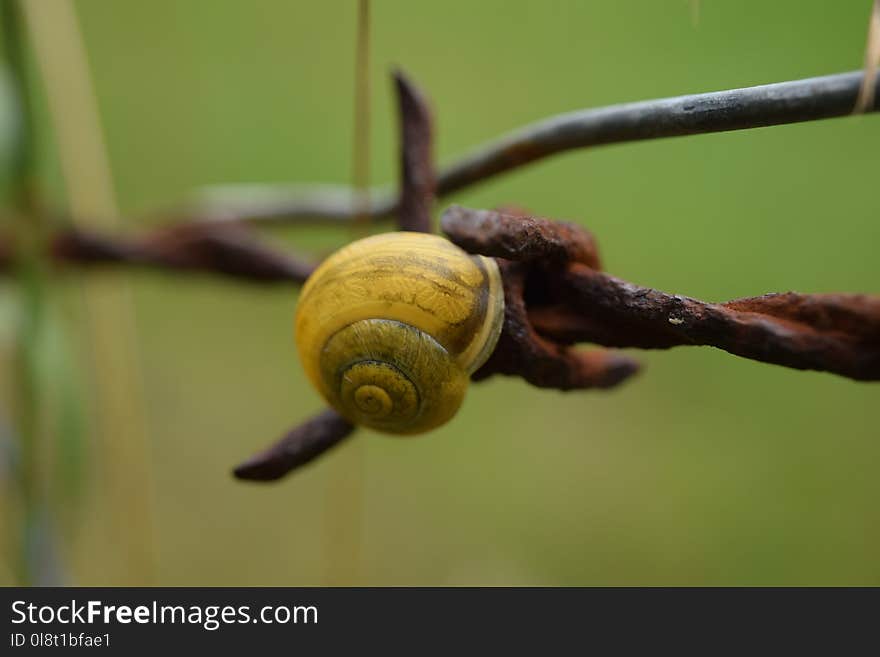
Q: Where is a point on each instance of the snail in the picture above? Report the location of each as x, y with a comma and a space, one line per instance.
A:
390, 328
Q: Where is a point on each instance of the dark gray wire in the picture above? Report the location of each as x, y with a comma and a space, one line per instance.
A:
720, 111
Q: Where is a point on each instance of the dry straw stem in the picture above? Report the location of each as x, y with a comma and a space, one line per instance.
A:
361, 143
868, 90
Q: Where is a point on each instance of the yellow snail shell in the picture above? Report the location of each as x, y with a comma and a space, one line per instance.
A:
390, 328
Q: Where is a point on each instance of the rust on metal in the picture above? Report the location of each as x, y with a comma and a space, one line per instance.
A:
523, 244
838, 333
231, 251
297, 447
514, 235
541, 361
416, 157
572, 302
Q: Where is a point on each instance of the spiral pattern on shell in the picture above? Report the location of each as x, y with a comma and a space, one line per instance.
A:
390, 328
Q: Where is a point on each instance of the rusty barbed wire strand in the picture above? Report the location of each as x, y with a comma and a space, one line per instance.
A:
518, 241
780, 103
232, 251
837, 333
543, 361
514, 235
569, 302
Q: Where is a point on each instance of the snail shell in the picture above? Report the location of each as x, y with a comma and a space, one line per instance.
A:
390, 328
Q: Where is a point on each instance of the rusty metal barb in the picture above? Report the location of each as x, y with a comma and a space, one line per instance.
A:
298, 447
416, 157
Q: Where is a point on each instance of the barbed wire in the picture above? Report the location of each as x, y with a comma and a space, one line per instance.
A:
555, 292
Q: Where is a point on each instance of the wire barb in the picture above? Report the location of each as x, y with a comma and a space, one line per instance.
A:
416, 157
297, 447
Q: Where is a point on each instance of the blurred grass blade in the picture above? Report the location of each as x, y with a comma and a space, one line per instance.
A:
10, 123
125, 475
33, 292
61, 381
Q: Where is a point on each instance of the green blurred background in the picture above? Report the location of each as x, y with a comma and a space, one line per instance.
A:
706, 469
